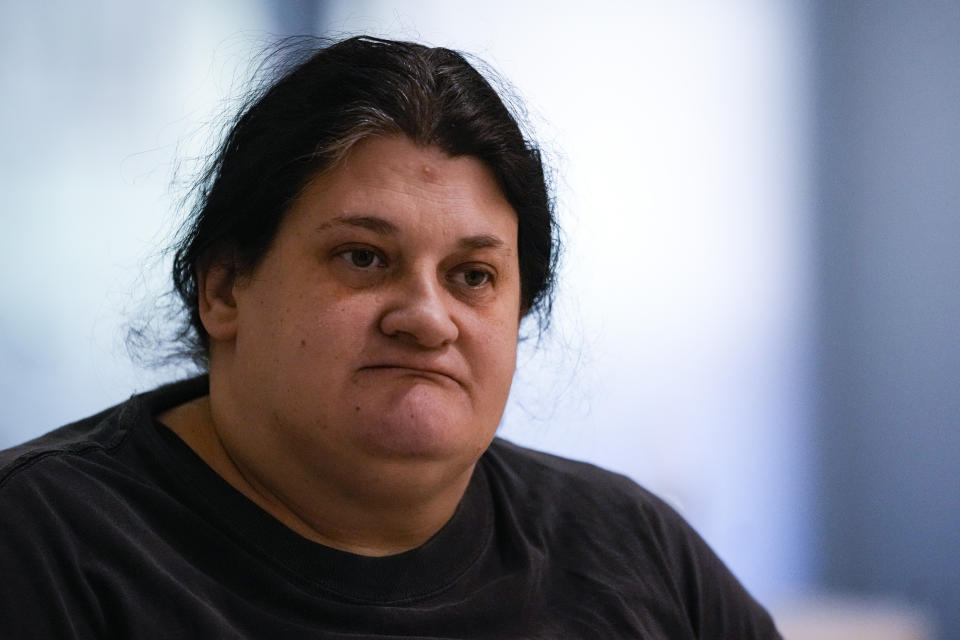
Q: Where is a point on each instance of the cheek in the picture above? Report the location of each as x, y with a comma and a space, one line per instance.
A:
497, 349
330, 333
299, 332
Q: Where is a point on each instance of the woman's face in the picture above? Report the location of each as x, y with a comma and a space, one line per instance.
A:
381, 326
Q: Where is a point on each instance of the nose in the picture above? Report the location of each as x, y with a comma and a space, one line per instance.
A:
420, 313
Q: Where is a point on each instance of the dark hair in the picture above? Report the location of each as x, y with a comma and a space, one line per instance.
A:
306, 122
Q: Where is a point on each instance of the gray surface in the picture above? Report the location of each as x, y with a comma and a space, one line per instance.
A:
888, 103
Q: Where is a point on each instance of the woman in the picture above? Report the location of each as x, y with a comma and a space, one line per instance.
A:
367, 241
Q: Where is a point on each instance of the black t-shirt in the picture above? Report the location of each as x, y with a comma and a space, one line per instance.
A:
112, 527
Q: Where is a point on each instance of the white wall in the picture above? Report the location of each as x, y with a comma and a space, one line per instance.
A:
100, 100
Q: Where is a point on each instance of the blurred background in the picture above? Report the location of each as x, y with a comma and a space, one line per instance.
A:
757, 311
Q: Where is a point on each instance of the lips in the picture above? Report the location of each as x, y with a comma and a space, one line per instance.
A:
430, 372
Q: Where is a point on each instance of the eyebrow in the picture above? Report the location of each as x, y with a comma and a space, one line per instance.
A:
483, 241
373, 223
385, 227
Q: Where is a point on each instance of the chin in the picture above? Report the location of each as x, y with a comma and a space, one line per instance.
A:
402, 436
419, 418
425, 426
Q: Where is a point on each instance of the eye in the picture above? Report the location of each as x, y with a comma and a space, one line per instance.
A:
474, 278
361, 258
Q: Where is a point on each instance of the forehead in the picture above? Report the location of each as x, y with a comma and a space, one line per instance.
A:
408, 184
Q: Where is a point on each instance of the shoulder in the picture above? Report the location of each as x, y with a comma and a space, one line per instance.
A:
102, 432
78, 473
97, 432
49, 476
569, 502
72, 503
602, 524
543, 477
45, 496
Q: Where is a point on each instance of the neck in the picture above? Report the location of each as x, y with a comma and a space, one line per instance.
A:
371, 510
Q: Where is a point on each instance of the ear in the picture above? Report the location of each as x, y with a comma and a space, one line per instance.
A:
216, 303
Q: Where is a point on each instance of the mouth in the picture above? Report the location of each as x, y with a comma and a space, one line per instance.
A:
435, 375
